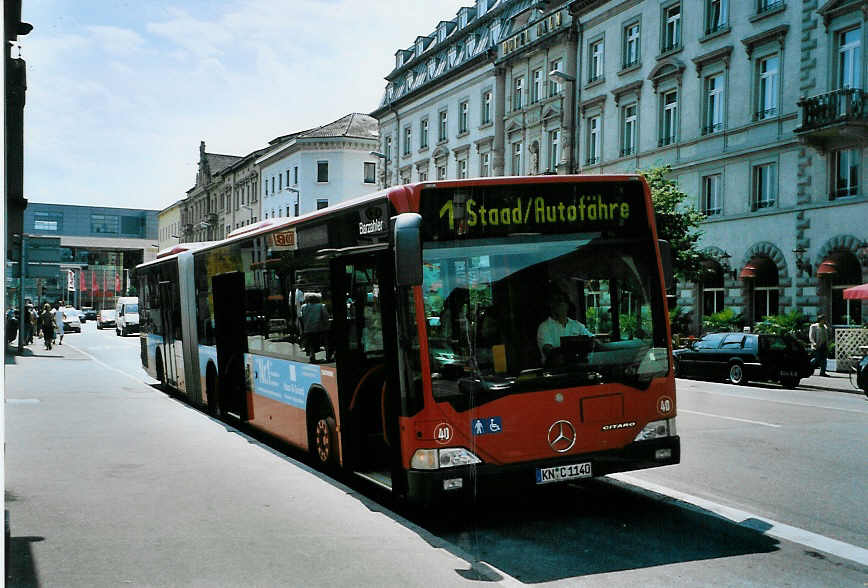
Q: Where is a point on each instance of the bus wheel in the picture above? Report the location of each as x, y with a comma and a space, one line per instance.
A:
323, 446
211, 391
161, 375
790, 383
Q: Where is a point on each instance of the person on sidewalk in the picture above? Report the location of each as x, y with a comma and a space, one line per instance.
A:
58, 322
46, 321
818, 334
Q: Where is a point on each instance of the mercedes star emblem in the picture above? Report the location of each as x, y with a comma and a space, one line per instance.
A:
562, 436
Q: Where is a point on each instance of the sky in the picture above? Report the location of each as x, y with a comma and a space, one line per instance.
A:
120, 93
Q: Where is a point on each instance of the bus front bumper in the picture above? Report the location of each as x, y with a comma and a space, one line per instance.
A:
467, 482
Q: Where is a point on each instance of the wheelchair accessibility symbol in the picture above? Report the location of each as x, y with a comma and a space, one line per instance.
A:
486, 426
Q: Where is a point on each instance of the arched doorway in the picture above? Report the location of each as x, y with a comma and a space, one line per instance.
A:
842, 270
761, 275
712, 290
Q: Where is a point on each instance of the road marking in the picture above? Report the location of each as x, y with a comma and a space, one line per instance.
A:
107, 366
718, 416
22, 401
790, 402
748, 520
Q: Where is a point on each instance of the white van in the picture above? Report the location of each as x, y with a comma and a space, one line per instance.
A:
127, 315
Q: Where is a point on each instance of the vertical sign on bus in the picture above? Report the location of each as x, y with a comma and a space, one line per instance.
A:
284, 240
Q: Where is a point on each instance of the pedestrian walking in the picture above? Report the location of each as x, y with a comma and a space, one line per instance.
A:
46, 321
818, 334
58, 323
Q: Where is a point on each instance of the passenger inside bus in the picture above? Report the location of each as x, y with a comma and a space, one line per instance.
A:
556, 327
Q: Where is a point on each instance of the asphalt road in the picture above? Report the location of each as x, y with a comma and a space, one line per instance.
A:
110, 481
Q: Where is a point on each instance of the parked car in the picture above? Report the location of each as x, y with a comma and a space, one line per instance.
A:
744, 357
89, 313
81, 316
105, 319
71, 320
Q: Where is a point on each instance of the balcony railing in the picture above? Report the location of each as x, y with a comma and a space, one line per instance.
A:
847, 104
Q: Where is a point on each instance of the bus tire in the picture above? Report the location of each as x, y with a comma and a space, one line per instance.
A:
736, 373
211, 389
161, 373
324, 441
790, 383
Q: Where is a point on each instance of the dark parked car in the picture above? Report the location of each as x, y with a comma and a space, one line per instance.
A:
741, 357
89, 313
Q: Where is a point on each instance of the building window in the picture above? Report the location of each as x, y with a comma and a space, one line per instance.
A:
43, 221
441, 172
370, 175
517, 91
555, 87
322, 171
628, 140
767, 104
423, 175
423, 134
669, 118
712, 201
104, 223
536, 86
462, 169
715, 16
463, 110
631, 45
713, 104
442, 133
485, 165
849, 59
486, 108
321, 203
593, 140
408, 135
595, 65
767, 5
672, 27
554, 150
272, 184
764, 186
388, 155
712, 291
845, 172
516, 159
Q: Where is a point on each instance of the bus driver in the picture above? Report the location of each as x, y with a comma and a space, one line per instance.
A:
550, 331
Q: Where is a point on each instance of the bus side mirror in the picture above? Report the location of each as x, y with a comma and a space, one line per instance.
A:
408, 249
666, 261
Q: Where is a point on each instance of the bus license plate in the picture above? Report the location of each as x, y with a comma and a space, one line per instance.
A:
564, 472
788, 373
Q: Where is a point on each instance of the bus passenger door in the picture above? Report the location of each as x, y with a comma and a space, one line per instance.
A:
366, 365
231, 338
169, 298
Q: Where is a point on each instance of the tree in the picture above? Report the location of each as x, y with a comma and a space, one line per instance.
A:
677, 222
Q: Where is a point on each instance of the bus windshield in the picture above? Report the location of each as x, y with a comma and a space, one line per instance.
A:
486, 299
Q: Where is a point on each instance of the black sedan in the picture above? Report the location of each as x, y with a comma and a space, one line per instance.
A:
741, 357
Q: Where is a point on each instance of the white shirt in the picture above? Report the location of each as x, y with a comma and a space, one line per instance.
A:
58, 318
550, 332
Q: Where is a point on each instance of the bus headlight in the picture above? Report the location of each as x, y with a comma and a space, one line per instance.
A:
432, 459
657, 430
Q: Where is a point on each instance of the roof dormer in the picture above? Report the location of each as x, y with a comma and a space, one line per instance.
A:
465, 15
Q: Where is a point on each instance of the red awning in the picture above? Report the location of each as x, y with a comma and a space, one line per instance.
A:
827, 269
748, 272
856, 293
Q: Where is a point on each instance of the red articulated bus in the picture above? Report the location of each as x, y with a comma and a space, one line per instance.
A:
434, 337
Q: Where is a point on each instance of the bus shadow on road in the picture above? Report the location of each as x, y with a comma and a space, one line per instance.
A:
20, 563
593, 528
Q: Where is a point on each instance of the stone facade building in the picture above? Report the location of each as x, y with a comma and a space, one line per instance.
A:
202, 215
759, 107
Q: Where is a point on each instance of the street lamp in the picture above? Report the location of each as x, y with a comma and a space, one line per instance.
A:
297, 198
803, 265
563, 77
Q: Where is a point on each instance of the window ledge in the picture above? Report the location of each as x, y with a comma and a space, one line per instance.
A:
463, 134
718, 33
768, 13
442, 141
595, 82
423, 149
486, 125
664, 54
631, 67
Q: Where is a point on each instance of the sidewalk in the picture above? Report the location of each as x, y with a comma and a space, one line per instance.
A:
832, 382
